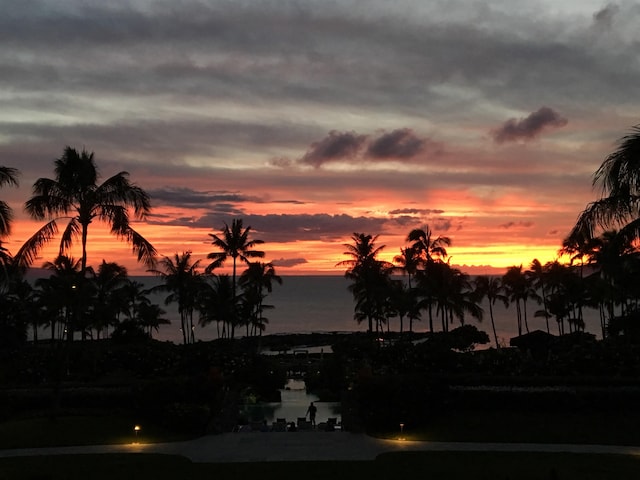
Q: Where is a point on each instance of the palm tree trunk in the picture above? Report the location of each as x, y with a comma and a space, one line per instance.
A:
493, 324
430, 318
235, 299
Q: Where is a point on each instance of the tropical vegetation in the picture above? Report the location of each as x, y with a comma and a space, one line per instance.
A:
596, 269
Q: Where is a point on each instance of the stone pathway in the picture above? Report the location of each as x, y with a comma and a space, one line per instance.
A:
306, 446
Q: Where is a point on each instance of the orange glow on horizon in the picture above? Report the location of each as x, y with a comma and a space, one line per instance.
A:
321, 257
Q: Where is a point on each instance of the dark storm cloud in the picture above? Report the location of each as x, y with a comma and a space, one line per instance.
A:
510, 225
401, 143
335, 146
186, 197
288, 262
529, 127
415, 211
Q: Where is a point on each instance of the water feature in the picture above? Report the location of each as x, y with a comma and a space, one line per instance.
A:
294, 403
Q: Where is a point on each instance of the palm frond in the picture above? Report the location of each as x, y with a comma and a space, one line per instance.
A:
6, 216
29, 251
145, 251
70, 233
9, 176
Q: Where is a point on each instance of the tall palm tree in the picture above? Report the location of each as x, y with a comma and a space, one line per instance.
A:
216, 304
403, 303
233, 242
182, 280
65, 284
453, 295
491, 288
537, 274
428, 247
8, 176
370, 277
515, 286
408, 262
619, 180
19, 311
150, 316
109, 281
75, 196
255, 280
613, 256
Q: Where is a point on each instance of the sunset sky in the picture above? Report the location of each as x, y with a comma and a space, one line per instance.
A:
312, 120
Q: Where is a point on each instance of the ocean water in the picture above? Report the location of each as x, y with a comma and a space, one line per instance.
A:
306, 304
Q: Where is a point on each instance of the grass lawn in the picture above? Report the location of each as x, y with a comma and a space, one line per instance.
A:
79, 430
605, 428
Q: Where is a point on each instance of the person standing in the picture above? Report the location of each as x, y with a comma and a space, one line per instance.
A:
311, 411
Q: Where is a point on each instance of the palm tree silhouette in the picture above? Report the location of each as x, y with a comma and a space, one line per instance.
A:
234, 242
491, 288
515, 286
8, 176
370, 276
408, 262
66, 284
183, 282
257, 278
75, 195
429, 248
109, 281
216, 304
619, 180
537, 275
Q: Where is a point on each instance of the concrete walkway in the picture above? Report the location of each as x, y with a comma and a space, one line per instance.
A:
304, 446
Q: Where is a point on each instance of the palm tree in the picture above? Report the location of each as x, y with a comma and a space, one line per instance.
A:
428, 248
109, 282
150, 316
453, 295
8, 176
408, 262
515, 286
65, 284
216, 304
19, 310
403, 302
491, 287
537, 274
619, 180
233, 242
75, 195
255, 280
183, 282
370, 277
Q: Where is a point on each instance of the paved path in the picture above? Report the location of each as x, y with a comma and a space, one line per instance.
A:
301, 446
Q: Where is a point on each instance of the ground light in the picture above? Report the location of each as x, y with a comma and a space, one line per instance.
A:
401, 432
137, 429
